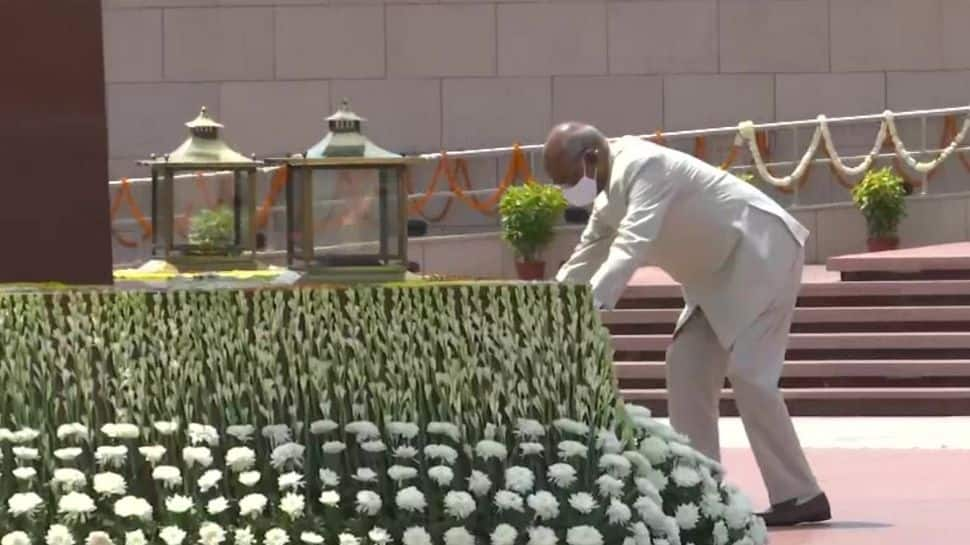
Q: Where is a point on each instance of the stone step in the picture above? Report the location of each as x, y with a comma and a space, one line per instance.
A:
812, 315
910, 369
946, 340
941, 261
829, 289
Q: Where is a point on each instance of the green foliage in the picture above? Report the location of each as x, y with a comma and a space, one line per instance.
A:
213, 229
529, 214
881, 197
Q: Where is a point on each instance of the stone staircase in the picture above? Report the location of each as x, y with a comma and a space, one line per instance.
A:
857, 346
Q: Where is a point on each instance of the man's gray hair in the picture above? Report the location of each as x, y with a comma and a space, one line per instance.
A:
580, 137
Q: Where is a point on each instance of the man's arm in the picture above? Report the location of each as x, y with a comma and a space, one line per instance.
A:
647, 203
590, 253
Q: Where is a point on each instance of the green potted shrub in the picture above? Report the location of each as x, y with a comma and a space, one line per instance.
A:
881, 197
212, 231
529, 215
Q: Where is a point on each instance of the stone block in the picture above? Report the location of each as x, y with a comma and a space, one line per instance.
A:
495, 112
804, 96
662, 37
840, 230
130, 4
470, 256
435, 40
697, 102
956, 39
132, 45
933, 221
403, 115
875, 35
274, 117
617, 105
772, 36
922, 90
551, 39
330, 42
215, 44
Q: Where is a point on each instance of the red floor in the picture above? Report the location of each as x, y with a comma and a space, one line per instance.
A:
879, 497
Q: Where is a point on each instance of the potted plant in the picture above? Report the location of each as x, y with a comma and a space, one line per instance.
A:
212, 231
529, 214
881, 197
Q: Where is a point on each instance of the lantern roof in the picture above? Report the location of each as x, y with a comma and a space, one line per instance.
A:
204, 148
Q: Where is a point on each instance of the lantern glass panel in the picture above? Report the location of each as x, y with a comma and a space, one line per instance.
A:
347, 216
206, 218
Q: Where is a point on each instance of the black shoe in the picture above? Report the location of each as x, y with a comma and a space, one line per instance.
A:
790, 513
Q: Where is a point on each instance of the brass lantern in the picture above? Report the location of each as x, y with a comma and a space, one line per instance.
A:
223, 237
346, 207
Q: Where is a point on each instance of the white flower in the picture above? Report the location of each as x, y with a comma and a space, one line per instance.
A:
445, 428
540, 535
441, 475
329, 477
368, 503
120, 431
711, 505
364, 430
132, 507
240, 459
217, 505
531, 449
276, 536
616, 465
290, 481
571, 449
58, 534
136, 537
373, 446
566, 425
545, 505
178, 504
244, 536
15, 538
311, 538
111, 456
242, 433
650, 512
562, 475
333, 447
67, 454
584, 535
479, 483
197, 455
504, 534
293, 505
411, 499
277, 433
442, 453
200, 433
379, 536
736, 516
365, 475
459, 504
25, 454
110, 484
608, 442
407, 430
519, 479
405, 452
69, 478
720, 533
507, 500
618, 512
641, 534
252, 505
25, 473
152, 453
487, 449
320, 427
99, 538
172, 535
76, 505
23, 504
330, 498
646, 488
609, 486
655, 450
72, 431
400, 474
758, 531
685, 477
170, 476
166, 428
249, 478
529, 429
287, 454
211, 533
637, 460
24, 435
656, 477
416, 535
583, 502
458, 535
5, 435
209, 480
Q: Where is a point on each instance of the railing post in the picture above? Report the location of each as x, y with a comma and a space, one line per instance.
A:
926, 175
795, 159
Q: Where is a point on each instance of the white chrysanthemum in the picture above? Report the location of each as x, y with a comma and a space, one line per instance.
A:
446, 429
672, 530
618, 512
111, 456
531, 449
23, 504
76, 505
441, 475
202, 433
277, 433
290, 481
364, 430
638, 461
288, 455
641, 534
110, 484
329, 477
24, 435
541, 535
369, 503
24, 473
69, 478
405, 452
519, 479
459, 504
68, 454
242, 433
133, 507
276, 536
211, 533
330, 498
609, 486
252, 505
583, 535
152, 453
720, 533
411, 499
193, 456
685, 477
504, 534
646, 488
583, 502
567, 425
479, 483
571, 449
655, 450
136, 537
687, 515
209, 480
320, 427
736, 516
406, 430
217, 505
374, 447
442, 453
5, 435
545, 505
76, 431
529, 429
379, 536
178, 504
616, 465
15, 538
650, 512
172, 535
712, 506
487, 449
312, 538
98, 538
120, 431
658, 478
333, 447
758, 531
166, 427
293, 505
399, 474
240, 459
365, 475
244, 536
416, 535
683, 451
506, 500
458, 535
562, 475
26, 454
58, 534
249, 478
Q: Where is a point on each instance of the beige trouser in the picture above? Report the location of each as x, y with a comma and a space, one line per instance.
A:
696, 367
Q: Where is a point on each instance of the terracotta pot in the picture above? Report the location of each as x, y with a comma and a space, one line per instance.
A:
882, 244
531, 270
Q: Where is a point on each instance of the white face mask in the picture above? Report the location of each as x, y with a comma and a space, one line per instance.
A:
584, 192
